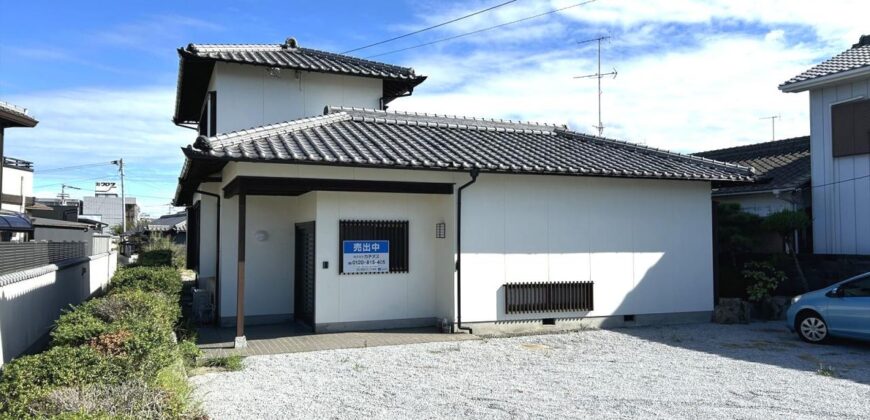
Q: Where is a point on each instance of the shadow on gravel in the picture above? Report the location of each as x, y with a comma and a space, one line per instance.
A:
766, 342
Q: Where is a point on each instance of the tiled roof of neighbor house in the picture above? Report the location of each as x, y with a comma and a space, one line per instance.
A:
59, 224
374, 138
177, 221
15, 116
289, 55
854, 58
780, 164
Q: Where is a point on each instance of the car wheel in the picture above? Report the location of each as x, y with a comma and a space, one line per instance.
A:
812, 328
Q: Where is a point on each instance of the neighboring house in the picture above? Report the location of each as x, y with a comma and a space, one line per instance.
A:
56, 208
17, 184
840, 143
172, 226
12, 189
348, 218
782, 168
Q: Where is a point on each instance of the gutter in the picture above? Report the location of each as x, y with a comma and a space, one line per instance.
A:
475, 171
217, 260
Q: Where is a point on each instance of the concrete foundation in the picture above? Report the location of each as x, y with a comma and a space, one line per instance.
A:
538, 326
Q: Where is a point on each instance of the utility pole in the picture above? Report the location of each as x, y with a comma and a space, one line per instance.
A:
772, 119
120, 163
598, 75
63, 195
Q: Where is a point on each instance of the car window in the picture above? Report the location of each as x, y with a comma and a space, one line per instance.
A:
857, 288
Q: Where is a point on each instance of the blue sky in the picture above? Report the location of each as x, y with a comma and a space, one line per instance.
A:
693, 75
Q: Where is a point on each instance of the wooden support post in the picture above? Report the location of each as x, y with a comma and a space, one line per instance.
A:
240, 287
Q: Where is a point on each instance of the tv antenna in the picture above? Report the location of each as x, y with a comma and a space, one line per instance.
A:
598, 75
772, 119
63, 195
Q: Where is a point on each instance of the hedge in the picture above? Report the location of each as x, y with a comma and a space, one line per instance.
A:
113, 356
150, 279
156, 258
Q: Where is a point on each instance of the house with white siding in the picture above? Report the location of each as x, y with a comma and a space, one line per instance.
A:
840, 149
309, 201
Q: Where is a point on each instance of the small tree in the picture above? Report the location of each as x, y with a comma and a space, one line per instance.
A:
763, 278
786, 223
737, 231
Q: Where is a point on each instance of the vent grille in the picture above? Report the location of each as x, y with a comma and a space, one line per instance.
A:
548, 297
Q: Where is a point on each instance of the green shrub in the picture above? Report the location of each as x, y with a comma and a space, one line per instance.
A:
29, 378
189, 352
114, 312
763, 278
156, 258
149, 279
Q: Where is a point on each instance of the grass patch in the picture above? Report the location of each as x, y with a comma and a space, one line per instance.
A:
826, 371
230, 363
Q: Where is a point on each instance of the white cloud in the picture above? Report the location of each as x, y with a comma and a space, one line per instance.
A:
686, 100
84, 126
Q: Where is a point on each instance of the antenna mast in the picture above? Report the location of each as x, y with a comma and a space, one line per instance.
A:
598, 75
63, 195
772, 119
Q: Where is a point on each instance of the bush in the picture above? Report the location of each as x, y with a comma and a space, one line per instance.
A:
29, 378
112, 313
763, 278
150, 279
156, 258
110, 357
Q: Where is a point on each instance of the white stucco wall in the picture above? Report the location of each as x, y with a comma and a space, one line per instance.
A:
29, 308
647, 244
16, 182
841, 186
248, 96
365, 297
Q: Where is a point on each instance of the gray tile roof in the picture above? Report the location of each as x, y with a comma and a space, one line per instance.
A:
15, 116
856, 57
177, 221
781, 164
197, 63
373, 138
299, 58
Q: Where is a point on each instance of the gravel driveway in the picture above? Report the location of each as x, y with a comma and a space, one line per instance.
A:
695, 371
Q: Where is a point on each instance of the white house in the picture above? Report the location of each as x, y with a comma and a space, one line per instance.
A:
840, 143
308, 201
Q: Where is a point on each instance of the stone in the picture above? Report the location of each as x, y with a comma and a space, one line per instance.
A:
731, 311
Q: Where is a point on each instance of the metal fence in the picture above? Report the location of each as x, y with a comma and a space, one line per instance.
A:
19, 256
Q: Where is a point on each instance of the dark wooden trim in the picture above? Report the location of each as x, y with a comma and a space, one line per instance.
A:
210, 179
212, 114
255, 185
240, 285
15, 199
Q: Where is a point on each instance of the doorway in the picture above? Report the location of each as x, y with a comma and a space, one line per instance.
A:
303, 289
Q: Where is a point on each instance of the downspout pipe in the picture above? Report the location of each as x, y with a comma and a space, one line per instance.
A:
475, 171
217, 259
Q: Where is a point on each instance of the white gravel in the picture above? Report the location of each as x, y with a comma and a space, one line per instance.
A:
696, 371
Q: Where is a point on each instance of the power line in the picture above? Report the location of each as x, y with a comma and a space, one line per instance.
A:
431, 27
75, 180
841, 181
86, 165
484, 29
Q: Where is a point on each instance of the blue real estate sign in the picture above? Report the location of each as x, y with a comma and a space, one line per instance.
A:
365, 257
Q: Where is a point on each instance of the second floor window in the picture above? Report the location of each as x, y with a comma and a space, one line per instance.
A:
850, 128
208, 119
